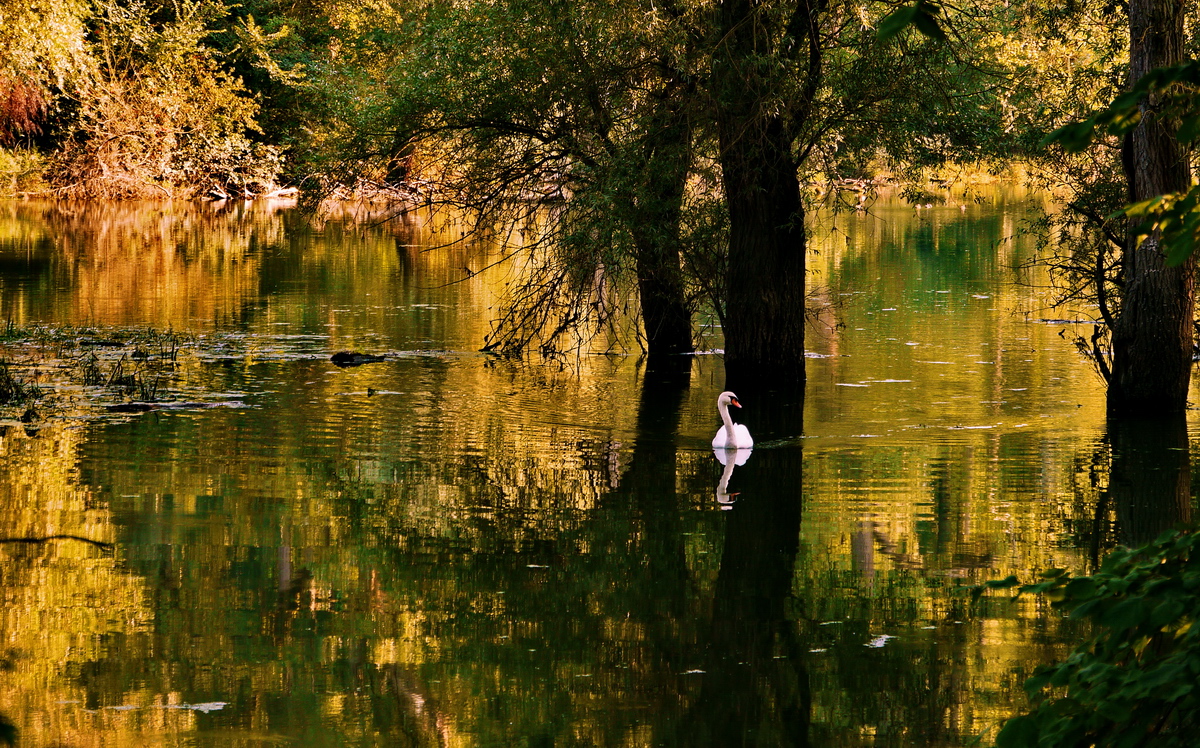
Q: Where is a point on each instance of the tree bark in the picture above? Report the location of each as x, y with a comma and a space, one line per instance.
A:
655, 222
764, 319
1152, 339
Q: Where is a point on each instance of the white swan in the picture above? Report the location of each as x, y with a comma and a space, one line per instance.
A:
731, 435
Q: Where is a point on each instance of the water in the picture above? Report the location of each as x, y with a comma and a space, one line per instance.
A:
449, 549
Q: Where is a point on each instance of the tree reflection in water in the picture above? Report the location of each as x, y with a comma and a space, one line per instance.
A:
1150, 485
755, 687
484, 552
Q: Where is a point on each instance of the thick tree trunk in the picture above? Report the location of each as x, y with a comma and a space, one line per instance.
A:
764, 313
655, 225
666, 318
1152, 339
764, 307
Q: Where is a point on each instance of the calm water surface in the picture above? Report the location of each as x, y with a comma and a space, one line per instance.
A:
445, 549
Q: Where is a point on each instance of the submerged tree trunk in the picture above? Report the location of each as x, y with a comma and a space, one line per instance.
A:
764, 325
655, 220
1152, 339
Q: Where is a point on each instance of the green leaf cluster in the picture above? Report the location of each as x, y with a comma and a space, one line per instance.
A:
921, 15
1170, 94
1170, 91
1134, 682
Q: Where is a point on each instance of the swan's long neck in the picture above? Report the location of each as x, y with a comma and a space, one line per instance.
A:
728, 420
724, 500
726, 474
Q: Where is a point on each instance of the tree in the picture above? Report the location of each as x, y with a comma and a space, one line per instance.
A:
600, 135
156, 114
798, 86
756, 127
127, 99
1152, 340
1155, 120
569, 121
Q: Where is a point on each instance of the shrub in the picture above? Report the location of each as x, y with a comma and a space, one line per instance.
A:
1134, 683
158, 116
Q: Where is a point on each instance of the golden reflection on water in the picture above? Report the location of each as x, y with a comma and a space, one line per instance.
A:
447, 549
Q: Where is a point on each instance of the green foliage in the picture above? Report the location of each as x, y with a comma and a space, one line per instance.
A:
1134, 682
301, 60
157, 114
602, 112
561, 126
1174, 93
43, 43
131, 99
21, 170
921, 15
1175, 217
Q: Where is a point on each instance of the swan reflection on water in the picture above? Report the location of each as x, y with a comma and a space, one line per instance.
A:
729, 458
732, 446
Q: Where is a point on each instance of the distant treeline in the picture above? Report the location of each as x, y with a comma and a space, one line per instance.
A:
161, 98
157, 98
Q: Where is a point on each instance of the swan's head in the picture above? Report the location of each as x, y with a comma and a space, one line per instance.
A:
728, 398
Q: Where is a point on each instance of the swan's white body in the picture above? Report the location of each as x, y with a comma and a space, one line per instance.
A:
731, 435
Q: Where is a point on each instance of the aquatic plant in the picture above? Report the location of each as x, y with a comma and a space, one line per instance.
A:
14, 391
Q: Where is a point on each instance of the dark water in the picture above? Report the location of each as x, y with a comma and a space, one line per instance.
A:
445, 549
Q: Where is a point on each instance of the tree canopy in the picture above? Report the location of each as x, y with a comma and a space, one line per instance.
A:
648, 165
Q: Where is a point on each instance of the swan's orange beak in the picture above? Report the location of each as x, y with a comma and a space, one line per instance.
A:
733, 401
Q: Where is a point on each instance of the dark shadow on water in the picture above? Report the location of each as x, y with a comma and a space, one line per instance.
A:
772, 407
1150, 483
755, 688
737, 668
650, 485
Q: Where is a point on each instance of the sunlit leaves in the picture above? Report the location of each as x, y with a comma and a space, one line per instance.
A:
257, 44
1174, 217
1174, 93
1171, 93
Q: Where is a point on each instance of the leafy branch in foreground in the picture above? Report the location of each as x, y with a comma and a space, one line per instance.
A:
1169, 93
1134, 682
921, 15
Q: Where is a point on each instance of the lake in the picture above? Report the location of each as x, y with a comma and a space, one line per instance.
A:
446, 548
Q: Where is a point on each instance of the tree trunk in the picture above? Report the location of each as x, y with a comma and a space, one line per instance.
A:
666, 317
1152, 339
655, 224
764, 313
